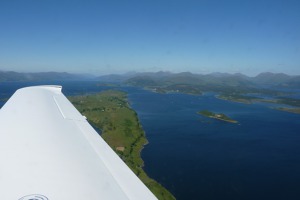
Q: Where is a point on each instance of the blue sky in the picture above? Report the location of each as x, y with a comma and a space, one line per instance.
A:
102, 37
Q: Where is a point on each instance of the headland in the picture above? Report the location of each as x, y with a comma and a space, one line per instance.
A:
109, 111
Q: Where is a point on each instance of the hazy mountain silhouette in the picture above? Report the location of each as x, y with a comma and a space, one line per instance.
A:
209, 81
42, 76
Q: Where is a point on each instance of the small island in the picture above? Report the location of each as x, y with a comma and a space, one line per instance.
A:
219, 116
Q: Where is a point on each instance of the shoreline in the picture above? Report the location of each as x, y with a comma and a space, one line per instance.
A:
121, 129
295, 110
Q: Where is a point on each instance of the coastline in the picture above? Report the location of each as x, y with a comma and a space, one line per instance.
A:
248, 100
236, 100
111, 113
290, 110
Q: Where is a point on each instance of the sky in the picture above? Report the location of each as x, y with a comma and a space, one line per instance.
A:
119, 36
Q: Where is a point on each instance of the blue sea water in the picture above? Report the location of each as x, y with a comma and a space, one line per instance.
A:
201, 158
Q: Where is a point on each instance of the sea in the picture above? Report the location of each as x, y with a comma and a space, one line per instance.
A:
199, 158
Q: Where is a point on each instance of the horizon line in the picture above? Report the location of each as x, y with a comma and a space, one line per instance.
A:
143, 72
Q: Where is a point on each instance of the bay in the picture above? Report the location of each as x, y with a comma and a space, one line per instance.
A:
201, 158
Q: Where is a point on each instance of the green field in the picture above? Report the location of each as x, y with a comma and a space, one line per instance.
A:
110, 112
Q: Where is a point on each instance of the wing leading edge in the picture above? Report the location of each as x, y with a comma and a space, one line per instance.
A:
48, 148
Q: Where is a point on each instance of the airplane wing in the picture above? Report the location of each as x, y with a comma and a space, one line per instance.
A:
49, 151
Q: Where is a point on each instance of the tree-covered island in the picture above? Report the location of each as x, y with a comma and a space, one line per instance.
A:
109, 111
219, 116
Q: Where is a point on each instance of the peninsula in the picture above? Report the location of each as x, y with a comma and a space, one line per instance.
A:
292, 103
219, 116
238, 98
291, 110
109, 112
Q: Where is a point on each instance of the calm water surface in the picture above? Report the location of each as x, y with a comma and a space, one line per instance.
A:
202, 158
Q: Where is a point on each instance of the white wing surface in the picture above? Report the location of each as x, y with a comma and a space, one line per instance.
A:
49, 151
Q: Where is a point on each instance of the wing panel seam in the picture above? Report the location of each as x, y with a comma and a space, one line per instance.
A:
60, 110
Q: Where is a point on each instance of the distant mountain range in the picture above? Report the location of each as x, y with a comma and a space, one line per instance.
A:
213, 81
42, 76
224, 83
277, 80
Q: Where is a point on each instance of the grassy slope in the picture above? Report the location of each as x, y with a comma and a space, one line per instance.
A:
109, 111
